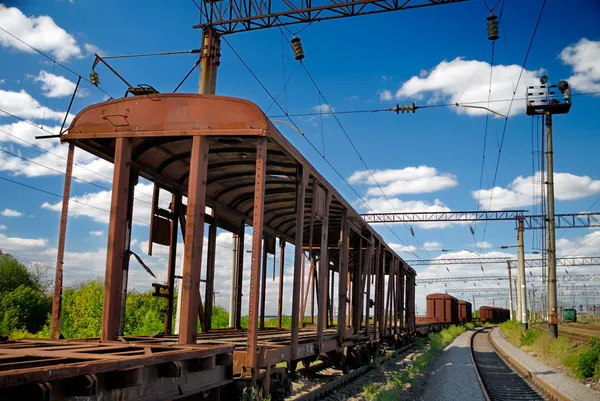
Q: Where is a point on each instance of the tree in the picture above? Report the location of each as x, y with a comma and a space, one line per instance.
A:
25, 308
13, 274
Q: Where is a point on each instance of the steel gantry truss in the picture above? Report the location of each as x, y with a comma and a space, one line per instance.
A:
559, 293
566, 220
536, 288
529, 263
467, 279
231, 16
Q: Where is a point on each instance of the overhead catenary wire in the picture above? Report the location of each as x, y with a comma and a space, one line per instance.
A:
304, 136
55, 61
509, 109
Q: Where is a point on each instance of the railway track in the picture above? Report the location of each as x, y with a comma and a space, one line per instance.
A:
578, 334
331, 384
498, 381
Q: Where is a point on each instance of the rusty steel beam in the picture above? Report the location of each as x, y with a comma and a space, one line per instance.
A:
343, 276
281, 272
257, 233
240, 276
263, 284
175, 206
323, 273
369, 270
210, 275
299, 257
60, 256
194, 241
117, 233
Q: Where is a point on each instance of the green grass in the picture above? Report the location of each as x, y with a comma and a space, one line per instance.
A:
581, 361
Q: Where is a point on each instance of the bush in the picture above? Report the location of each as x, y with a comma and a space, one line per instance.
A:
25, 308
512, 331
530, 336
587, 364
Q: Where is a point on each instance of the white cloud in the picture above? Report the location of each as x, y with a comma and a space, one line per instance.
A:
15, 244
27, 132
53, 162
2, 227
409, 180
430, 246
11, 213
57, 85
40, 32
384, 78
385, 95
349, 98
22, 104
96, 233
583, 57
91, 49
1, 81
410, 249
586, 245
484, 245
323, 108
520, 191
448, 80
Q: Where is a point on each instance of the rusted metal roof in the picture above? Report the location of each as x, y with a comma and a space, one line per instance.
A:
162, 126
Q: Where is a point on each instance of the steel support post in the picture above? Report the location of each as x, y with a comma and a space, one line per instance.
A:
343, 276
116, 252
175, 207
60, 256
194, 240
510, 295
298, 257
263, 285
313, 289
233, 287
281, 273
323, 273
370, 258
357, 287
239, 276
210, 275
129, 223
552, 298
257, 234
401, 292
521, 275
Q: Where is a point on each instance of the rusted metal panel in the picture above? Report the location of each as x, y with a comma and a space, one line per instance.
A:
58, 279
257, 232
117, 233
298, 257
194, 239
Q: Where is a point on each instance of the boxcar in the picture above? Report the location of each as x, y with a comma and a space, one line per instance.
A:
465, 311
493, 315
570, 315
442, 307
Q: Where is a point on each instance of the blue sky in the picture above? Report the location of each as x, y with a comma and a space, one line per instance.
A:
427, 161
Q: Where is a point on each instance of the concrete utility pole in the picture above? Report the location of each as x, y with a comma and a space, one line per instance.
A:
521, 281
510, 297
552, 299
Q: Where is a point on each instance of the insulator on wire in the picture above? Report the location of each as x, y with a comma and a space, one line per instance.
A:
471, 229
412, 232
404, 107
297, 46
492, 26
94, 78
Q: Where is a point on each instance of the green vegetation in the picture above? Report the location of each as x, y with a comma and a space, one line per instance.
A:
400, 379
581, 361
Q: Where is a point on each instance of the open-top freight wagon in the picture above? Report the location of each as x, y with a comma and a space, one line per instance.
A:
224, 165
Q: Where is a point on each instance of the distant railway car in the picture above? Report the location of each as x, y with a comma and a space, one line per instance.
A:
465, 311
492, 314
443, 308
570, 315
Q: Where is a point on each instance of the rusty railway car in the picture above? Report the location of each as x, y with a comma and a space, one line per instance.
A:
492, 314
443, 308
236, 171
465, 311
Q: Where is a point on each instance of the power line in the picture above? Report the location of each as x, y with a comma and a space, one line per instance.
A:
53, 60
304, 136
61, 197
508, 113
